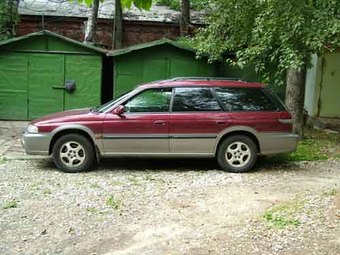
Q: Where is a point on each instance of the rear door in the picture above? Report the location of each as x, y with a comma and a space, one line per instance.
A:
196, 120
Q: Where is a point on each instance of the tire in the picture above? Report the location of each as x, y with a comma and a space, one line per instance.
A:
237, 154
73, 153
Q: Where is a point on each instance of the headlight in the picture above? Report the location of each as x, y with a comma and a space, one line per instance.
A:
32, 129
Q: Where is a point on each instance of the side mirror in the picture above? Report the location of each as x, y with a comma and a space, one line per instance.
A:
119, 110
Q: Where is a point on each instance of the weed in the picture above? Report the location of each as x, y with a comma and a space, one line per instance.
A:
94, 210
116, 183
2, 160
332, 192
114, 203
95, 186
133, 180
47, 192
282, 215
280, 221
10, 204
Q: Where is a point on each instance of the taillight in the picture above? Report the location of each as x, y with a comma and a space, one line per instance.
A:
285, 118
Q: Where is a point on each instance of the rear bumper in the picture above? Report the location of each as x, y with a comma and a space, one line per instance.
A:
271, 143
36, 144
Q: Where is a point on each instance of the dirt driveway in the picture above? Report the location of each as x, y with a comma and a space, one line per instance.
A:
169, 207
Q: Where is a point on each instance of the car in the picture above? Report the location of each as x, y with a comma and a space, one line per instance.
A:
233, 121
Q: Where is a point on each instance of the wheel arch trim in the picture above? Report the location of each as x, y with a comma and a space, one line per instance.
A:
237, 129
74, 127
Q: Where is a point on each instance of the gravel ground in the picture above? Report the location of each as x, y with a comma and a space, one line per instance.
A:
169, 207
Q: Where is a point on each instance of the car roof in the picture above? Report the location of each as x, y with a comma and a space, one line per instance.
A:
205, 82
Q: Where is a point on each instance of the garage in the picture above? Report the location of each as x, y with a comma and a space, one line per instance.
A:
43, 73
157, 60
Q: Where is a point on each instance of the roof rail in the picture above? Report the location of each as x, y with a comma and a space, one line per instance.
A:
206, 78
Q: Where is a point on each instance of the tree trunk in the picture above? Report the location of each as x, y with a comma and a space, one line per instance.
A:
117, 35
91, 25
185, 17
295, 94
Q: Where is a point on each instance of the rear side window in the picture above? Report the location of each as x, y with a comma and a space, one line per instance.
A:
246, 99
194, 100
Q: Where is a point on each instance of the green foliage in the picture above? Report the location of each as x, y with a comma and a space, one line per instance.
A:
141, 4
284, 214
8, 19
173, 4
176, 4
10, 204
280, 221
2, 160
317, 145
267, 33
114, 203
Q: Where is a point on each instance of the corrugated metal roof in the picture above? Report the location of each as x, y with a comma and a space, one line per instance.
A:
46, 32
66, 8
115, 53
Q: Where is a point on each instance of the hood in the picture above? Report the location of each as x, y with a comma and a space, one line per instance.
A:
63, 116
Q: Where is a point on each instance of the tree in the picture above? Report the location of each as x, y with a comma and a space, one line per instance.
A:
8, 18
185, 17
117, 33
92, 22
273, 32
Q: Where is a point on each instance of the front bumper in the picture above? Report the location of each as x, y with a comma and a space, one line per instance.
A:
36, 144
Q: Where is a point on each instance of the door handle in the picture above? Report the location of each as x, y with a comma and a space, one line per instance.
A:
160, 122
221, 122
58, 87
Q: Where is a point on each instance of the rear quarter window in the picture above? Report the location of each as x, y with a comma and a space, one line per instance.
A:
247, 99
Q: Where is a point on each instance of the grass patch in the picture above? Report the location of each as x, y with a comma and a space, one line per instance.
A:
284, 214
317, 145
114, 203
280, 221
2, 160
133, 180
331, 193
95, 186
94, 210
9, 204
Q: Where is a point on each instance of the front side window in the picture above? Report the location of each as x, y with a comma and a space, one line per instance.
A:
194, 99
245, 99
151, 100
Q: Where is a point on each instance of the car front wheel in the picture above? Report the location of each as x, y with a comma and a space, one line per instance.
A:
73, 153
237, 154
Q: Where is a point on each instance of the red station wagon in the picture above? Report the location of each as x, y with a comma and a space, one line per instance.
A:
232, 121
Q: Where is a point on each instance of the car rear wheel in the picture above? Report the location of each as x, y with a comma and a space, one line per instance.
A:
73, 153
237, 154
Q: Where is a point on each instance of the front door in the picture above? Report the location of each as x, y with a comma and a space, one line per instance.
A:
143, 128
45, 84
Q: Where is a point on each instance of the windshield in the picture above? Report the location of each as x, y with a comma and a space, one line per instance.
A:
109, 104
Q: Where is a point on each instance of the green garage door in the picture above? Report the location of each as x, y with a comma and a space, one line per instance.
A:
46, 80
13, 86
330, 87
130, 72
86, 72
33, 85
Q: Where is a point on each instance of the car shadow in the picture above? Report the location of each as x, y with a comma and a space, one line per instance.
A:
147, 164
174, 165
